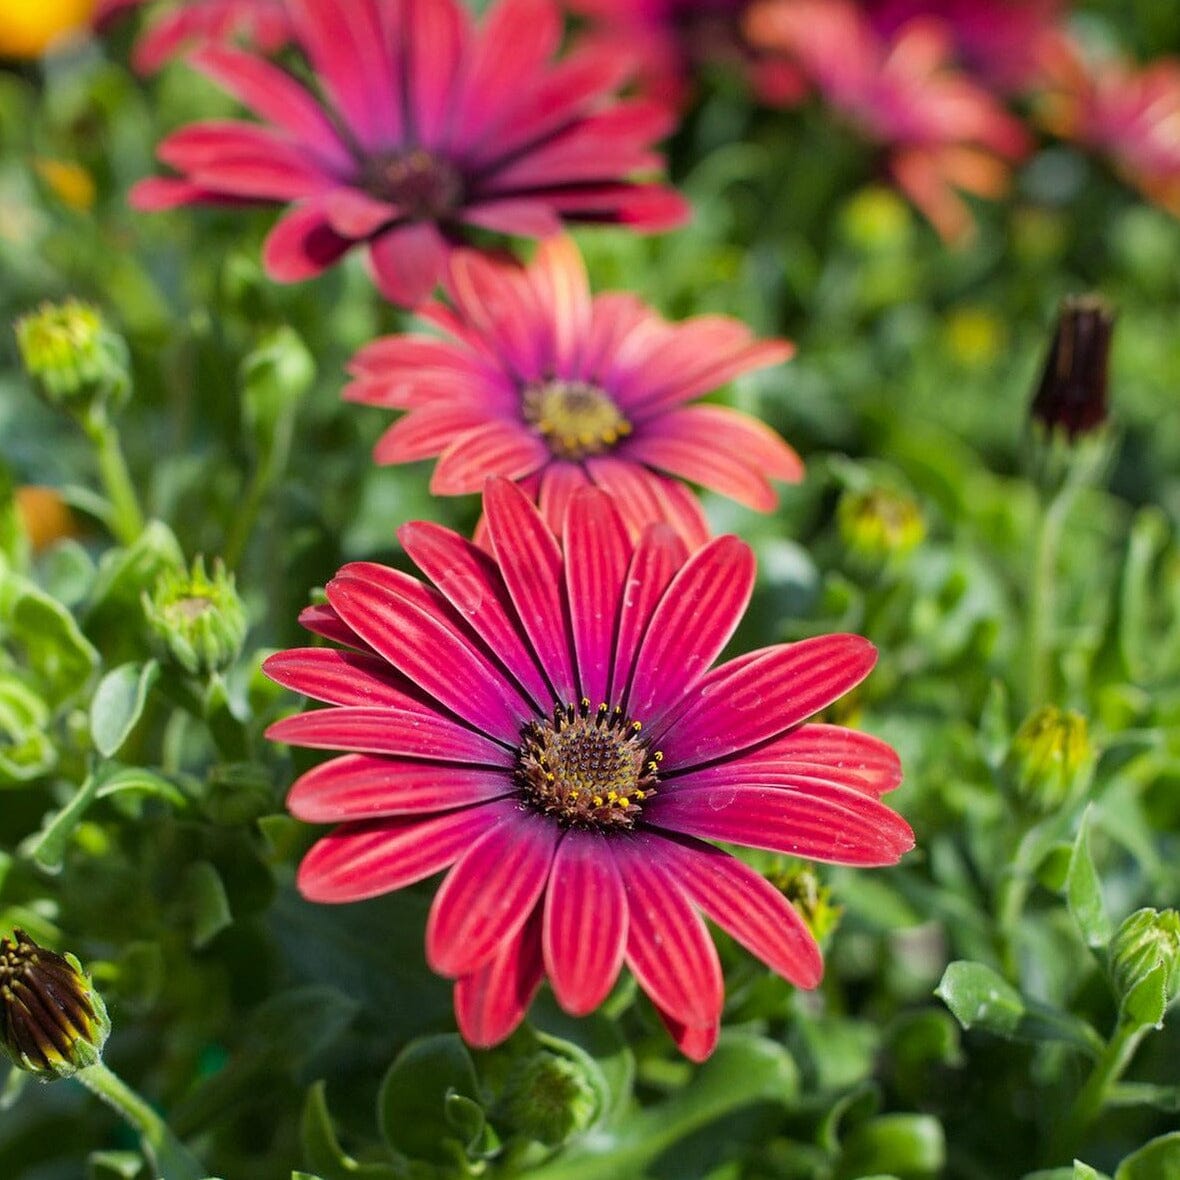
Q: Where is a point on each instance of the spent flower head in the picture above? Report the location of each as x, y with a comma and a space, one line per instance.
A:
74, 357
52, 1021
198, 618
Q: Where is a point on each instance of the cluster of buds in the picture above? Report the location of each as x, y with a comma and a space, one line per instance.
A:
879, 524
197, 618
77, 362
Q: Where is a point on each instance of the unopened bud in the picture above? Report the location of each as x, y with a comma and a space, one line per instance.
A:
52, 1021
1071, 397
76, 360
811, 898
1147, 940
1050, 760
880, 524
197, 618
548, 1098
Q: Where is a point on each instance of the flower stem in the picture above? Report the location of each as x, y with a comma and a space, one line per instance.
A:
1092, 1097
127, 518
1042, 615
169, 1158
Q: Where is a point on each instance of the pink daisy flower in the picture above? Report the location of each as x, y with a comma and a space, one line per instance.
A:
544, 723
1130, 115
672, 39
999, 40
538, 381
180, 27
943, 132
427, 127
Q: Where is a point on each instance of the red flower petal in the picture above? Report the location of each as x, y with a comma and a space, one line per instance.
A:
437, 33
472, 583
668, 948
433, 655
597, 553
531, 564
585, 925
323, 620
343, 678
513, 215
492, 1001
425, 431
824, 823
560, 479
390, 731
495, 448
697, 1044
490, 892
764, 694
407, 262
354, 214
695, 619
367, 859
359, 786
302, 245
748, 908
642, 495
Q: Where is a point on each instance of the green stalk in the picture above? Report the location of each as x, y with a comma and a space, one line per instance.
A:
1107, 1070
168, 1157
127, 517
1043, 595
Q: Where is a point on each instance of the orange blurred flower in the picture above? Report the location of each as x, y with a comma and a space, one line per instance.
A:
45, 515
29, 28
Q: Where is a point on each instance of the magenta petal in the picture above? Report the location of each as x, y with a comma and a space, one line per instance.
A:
560, 479
763, 694
472, 584
302, 245
693, 622
697, 1044
491, 1002
747, 907
585, 926
342, 678
425, 431
597, 553
489, 894
436, 32
166, 192
668, 948
407, 261
324, 621
359, 786
531, 564
507, 449
657, 557
276, 97
828, 824
390, 731
367, 859
354, 214
434, 656
703, 460
513, 215
643, 496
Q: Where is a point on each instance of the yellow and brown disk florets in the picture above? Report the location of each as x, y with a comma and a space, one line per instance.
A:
575, 418
52, 1021
586, 767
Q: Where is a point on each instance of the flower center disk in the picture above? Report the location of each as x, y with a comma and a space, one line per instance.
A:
587, 768
575, 418
423, 186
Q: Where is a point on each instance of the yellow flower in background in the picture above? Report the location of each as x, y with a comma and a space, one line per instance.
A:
69, 182
28, 28
45, 515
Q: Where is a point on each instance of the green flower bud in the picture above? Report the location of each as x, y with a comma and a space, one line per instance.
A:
1145, 941
198, 619
76, 360
811, 898
879, 524
52, 1021
547, 1098
1050, 760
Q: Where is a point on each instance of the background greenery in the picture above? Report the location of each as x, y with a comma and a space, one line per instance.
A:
145, 833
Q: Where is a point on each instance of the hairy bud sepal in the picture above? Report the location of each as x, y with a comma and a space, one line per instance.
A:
197, 618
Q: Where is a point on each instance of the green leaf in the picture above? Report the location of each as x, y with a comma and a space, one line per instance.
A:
118, 704
907, 1144
206, 901
1145, 1004
1079, 1171
48, 847
412, 1103
1159, 1160
138, 780
114, 1165
1083, 890
322, 1149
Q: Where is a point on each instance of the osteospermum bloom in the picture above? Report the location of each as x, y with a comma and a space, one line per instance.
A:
1128, 114
540, 382
942, 131
178, 28
426, 128
672, 39
543, 722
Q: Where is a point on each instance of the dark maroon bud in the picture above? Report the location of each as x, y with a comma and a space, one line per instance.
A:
1072, 394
